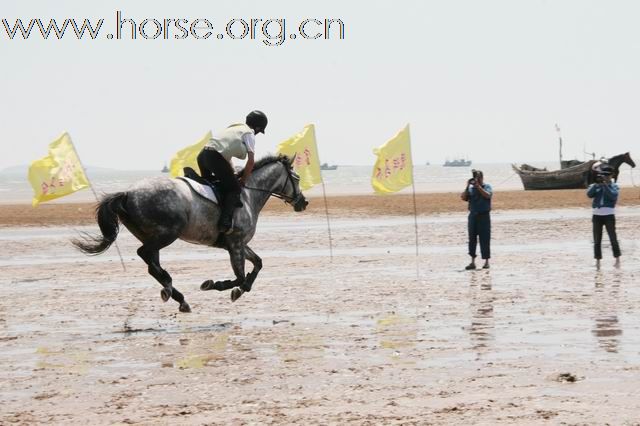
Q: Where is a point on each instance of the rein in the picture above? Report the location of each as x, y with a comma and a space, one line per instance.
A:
280, 194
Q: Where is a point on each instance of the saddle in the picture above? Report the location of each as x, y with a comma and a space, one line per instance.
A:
188, 172
212, 183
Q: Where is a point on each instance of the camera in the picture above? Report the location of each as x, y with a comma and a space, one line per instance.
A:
601, 177
475, 175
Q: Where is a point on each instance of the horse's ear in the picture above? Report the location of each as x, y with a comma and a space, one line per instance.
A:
292, 160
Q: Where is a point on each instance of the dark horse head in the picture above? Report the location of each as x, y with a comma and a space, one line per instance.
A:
617, 161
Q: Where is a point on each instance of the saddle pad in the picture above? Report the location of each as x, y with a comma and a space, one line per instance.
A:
204, 191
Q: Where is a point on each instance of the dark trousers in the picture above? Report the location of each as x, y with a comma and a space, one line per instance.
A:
479, 226
211, 162
609, 222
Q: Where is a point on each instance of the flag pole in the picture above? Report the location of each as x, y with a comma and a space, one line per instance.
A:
124, 268
324, 196
326, 210
415, 219
415, 214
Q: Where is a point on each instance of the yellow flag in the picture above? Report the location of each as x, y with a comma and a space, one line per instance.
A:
188, 157
58, 174
306, 163
393, 169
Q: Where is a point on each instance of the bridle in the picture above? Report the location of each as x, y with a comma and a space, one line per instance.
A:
297, 195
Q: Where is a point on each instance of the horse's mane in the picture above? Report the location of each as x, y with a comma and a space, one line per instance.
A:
616, 158
269, 159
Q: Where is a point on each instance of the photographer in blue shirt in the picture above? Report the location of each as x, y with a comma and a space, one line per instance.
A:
605, 195
478, 195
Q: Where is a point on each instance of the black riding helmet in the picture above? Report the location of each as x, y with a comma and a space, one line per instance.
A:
257, 120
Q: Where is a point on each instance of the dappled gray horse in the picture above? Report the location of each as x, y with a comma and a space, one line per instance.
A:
160, 210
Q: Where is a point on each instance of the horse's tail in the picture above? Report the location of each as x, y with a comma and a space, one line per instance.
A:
107, 214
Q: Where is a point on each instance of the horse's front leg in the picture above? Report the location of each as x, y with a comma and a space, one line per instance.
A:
252, 257
236, 248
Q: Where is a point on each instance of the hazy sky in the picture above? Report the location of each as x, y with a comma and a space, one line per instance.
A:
485, 79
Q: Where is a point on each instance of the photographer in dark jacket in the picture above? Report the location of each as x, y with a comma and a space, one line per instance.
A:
478, 195
605, 195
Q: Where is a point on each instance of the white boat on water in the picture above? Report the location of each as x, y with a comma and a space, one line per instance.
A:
461, 162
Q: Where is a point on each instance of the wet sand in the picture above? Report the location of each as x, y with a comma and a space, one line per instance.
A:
357, 339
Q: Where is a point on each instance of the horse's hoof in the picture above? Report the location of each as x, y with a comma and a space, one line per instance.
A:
235, 294
184, 307
165, 293
207, 285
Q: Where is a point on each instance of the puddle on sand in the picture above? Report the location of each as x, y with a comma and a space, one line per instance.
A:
177, 329
201, 352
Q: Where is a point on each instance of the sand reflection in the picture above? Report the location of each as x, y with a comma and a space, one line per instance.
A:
481, 331
607, 327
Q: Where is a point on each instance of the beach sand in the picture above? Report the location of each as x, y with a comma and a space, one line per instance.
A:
55, 214
372, 335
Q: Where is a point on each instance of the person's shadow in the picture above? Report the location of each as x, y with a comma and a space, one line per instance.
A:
481, 331
606, 327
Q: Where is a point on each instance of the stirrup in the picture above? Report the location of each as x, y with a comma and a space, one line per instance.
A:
225, 228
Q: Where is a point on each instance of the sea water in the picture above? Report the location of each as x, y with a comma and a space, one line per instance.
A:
345, 180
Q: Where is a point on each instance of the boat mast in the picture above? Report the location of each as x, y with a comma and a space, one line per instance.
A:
560, 140
592, 154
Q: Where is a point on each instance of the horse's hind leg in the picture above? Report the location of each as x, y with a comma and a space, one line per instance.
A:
151, 257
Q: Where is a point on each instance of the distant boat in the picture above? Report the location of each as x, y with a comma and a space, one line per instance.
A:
165, 169
461, 162
428, 164
325, 166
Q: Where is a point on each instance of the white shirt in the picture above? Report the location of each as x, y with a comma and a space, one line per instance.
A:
249, 140
604, 211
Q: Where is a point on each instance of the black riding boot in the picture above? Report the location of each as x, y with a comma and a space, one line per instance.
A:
231, 200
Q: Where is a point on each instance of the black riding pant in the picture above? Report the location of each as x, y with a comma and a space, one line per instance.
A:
609, 222
211, 162
479, 226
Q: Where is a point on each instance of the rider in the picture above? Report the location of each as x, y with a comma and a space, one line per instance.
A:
237, 140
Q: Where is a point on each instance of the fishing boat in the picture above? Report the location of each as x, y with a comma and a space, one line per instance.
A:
461, 162
573, 174
325, 166
165, 169
567, 178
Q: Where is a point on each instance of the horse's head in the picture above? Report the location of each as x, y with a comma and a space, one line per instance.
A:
621, 159
629, 160
291, 192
